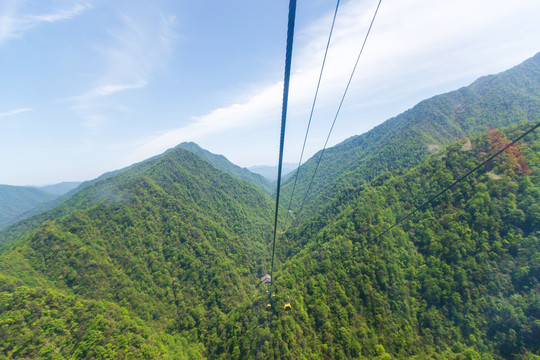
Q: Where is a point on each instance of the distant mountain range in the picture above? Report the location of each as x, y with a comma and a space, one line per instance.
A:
58, 206
20, 202
34, 213
15, 200
270, 172
61, 188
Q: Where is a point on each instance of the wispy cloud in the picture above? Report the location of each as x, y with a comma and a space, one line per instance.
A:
112, 88
415, 45
127, 58
261, 107
134, 50
14, 112
59, 15
264, 103
14, 22
105, 90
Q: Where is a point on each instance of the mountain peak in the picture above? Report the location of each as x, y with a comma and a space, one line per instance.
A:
222, 163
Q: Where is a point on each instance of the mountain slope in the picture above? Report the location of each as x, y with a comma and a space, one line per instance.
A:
16, 200
20, 202
172, 243
221, 162
459, 280
48, 210
62, 205
407, 139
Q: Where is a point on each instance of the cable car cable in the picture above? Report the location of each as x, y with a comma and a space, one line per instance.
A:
339, 108
288, 59
311, 113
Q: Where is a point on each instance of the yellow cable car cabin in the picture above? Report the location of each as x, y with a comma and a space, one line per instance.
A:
287, 307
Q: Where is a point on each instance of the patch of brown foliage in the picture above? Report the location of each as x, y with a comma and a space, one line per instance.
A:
498, 141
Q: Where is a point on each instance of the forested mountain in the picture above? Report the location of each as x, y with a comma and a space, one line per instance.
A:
165, 259
407, 139
59, 206
221, 162
16, 200
461, 276
86, 195
63, 204
170, 244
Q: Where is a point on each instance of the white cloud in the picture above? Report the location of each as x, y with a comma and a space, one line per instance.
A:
58, 15
14, 112
136, 48
104, 90
264, 104
416, 47
133, 51
260, 108
110, 89
14, 24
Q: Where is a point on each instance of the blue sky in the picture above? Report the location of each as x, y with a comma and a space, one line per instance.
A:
92, 86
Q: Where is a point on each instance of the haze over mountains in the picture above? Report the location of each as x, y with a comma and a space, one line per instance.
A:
61, 188
163, 259
270, 172
16, 201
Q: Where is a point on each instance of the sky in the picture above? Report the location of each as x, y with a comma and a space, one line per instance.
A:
92, 86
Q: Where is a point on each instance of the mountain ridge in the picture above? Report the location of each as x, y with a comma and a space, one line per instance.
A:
407, 139
142, 240
222, 163
418, 283
60, 188
47, 210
